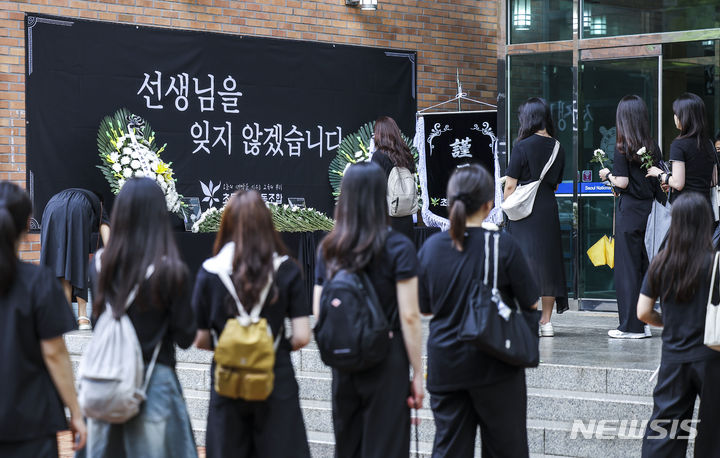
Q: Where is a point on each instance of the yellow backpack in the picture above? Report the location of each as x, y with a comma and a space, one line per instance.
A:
245, 351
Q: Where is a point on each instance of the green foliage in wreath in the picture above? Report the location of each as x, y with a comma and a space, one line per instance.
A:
355, 148
285, 219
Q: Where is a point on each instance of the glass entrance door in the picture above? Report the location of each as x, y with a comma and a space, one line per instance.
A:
602, 83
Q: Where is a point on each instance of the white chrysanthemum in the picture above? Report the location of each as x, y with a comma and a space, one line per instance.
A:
641, 151
135, 164
151, 176
119, 144
114, 156
116, 167
127, 150
125, 160
121, 183
135, 155
127, 173
139, 174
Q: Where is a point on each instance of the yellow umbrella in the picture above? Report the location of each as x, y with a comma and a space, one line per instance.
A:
603, 251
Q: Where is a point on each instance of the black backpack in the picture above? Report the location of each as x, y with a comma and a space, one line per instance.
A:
352, 331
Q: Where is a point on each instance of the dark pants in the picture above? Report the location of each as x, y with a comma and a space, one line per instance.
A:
371, 417
674, 399
631, 260
499, 409
42, 447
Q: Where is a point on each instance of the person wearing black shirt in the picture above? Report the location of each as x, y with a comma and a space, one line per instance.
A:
680, 276
37, 375
538, 235
68, 221
470, 388
390, 152
160, 313
371, 415
633, 208
275, 426
694, 166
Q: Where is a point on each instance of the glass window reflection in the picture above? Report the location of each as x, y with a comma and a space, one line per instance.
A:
540, 20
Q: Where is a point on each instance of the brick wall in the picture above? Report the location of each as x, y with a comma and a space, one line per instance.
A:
446, 34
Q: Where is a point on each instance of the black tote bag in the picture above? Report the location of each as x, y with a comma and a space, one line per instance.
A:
506, 333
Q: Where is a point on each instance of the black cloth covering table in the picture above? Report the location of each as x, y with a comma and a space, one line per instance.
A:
195, 248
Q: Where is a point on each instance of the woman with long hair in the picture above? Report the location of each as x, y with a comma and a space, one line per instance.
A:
633, 208
392, 151
680, 277
371, 415
468, 387
246, 247
539, 234
37, 375
694, 166
161, 312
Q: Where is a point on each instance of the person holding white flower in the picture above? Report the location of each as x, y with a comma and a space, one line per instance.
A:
70, 218
692, 154
635, 147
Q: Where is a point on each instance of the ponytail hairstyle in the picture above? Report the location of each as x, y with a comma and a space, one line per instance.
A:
15, 209
678, 269
256, 240
468, 190
690, 110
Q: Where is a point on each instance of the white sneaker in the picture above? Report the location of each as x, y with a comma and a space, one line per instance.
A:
617, 334
648, 332
546, 330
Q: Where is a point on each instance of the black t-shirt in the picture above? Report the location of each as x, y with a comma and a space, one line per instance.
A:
444, 290
639, 186
698, 165
148, 320
398, 261
35, 309
529, 156
684, 323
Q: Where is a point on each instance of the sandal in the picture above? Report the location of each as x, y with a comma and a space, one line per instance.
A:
84, 326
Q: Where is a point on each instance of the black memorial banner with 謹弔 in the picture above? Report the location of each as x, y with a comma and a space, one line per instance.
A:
240, 112
454, 140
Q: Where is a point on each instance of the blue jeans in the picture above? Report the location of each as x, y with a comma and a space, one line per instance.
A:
161, 429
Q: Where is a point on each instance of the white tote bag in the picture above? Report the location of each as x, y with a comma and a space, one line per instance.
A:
712, 316
520, 203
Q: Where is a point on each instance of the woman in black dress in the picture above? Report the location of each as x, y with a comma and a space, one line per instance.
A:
37, 377
371, 408
633, 208
694, 167
391, 151
469, 387
69, 219
539, 234
680, 276
275, 426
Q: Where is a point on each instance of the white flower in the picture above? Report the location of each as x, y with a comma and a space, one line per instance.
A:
139, 174
163, 186
151, 175
120, 183
114, 156
135, 164
135, 155
599, 153
120, 143
117, 167
127, 173
125, 160
641, 151
127, 150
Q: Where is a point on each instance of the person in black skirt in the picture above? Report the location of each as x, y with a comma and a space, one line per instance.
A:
694, 167
37, 377
68, 221
539, 234
680, 276
391, 151
633, 208
371, 408
236, 427
469, 387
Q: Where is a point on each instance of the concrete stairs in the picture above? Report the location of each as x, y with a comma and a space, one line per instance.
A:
558, 394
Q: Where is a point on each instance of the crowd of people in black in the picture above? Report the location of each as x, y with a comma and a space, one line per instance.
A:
250, 281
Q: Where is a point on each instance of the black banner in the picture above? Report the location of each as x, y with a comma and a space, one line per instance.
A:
451, 141
240, 112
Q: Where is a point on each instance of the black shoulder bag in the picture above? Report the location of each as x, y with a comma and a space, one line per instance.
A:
506, 333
